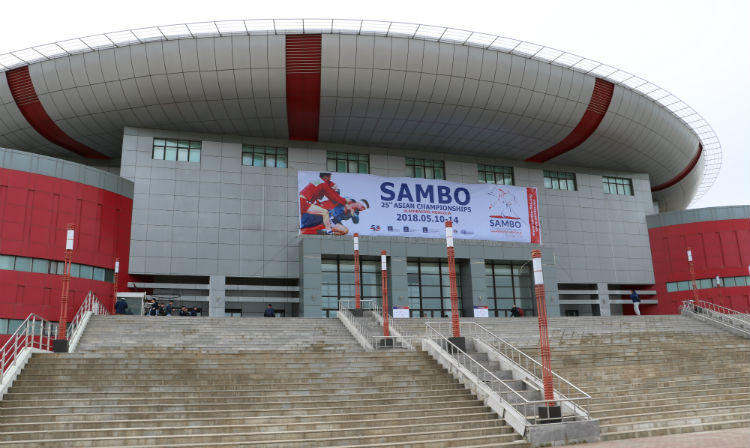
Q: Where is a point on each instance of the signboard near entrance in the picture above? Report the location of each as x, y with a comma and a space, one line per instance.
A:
481, 311
400, 312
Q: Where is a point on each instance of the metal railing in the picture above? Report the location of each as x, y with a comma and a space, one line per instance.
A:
38, 333
377, 342
90, 304
564, 389
34, 332
687, 115
514, 396
717, 314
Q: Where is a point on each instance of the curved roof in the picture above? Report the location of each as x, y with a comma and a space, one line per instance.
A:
355, 82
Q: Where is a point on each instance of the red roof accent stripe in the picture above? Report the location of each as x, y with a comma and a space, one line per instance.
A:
303, 85
598, 106
683, 173
22, 89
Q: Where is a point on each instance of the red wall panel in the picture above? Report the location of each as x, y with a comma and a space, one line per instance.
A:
34, 213
718, 247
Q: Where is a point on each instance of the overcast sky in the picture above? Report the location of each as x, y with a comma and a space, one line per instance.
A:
697, 50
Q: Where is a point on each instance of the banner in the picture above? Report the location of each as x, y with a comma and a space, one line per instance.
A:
344, 203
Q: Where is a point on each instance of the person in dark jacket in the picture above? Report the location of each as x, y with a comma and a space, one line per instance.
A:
154, 311
121, 306
636, 301
194, 311
168, 310
269, 312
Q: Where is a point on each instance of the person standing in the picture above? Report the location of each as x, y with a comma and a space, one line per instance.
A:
168, 310
636, 302
269, 312
121, 306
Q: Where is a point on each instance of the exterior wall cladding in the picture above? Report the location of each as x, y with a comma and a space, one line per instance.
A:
218, 218
39, 197
719, 240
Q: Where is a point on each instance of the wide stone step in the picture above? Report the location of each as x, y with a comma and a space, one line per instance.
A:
312, 411
164, 396
654, 426
346, 425
381, 434
64, 407
187, 419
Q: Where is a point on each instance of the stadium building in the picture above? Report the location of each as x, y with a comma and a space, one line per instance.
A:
184, 150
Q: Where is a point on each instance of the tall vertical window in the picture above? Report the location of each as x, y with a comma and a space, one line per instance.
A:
344, 162
617, 185
501, 175
176, 150
509, 283
337, 283
425, 169
559, 180
270, 156
429, 288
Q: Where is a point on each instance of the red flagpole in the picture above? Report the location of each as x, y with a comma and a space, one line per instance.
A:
452, 277
114, 286
541, 306
384, 279
356, 272
69, 237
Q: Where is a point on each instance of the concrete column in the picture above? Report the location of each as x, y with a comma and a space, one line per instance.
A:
474, 285
216, 293
398, 283
310, 303
602, 291
550, 281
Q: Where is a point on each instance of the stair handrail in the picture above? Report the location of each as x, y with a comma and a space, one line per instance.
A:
564, 389
35, 332
356, 323
730, 318
91, 304
485, 376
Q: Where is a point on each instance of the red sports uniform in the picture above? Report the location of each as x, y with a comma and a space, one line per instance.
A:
315, 191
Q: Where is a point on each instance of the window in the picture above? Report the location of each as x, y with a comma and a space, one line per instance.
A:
425, 169
232, 312
617, 185
42, 266
559, 180
509, 282
23, 264
7, 262
176, 150
269, 156
343, 162
337, 283
501, 175
429, 288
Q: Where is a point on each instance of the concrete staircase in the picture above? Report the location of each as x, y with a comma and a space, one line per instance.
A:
216, 334
238, 387
647, 375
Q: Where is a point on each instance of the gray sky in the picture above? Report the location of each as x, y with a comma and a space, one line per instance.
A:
697, 50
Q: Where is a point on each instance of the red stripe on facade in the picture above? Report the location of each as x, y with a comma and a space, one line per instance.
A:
22, 89
303, 86
683, 173
598, 105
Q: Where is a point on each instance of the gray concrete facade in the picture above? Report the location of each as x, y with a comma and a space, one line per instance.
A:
219, 218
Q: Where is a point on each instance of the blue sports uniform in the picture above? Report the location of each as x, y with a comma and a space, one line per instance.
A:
337, 215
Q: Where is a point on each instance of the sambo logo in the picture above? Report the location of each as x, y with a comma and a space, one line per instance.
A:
375, 228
